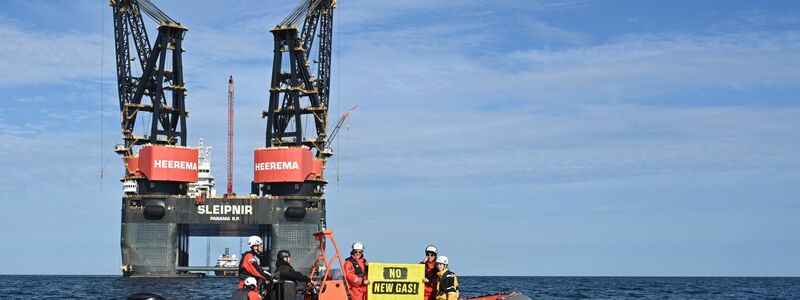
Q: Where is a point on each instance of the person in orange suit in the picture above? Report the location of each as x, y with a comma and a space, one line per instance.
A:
356, 269
250, 265
431, 279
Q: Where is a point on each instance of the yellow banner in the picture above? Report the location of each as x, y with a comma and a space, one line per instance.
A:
396, 281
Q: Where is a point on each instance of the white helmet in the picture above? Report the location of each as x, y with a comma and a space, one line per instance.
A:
442, 260
431, 248
358, 246
254, 240
250, 281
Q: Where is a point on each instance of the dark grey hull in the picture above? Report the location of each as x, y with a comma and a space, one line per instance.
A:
156, 230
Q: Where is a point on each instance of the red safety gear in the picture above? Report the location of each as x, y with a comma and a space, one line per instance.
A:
253, 295
433, 280
250, 263
355, 281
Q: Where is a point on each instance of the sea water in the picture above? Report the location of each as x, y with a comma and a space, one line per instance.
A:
116, 287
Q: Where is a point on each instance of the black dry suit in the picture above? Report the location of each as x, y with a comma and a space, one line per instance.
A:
284, 271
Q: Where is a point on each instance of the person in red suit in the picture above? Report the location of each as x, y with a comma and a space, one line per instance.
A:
431, 279
250, 265
356, 269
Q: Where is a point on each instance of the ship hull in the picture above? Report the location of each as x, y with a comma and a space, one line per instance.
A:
155, 230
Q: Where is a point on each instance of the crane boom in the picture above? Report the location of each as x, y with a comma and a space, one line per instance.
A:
296, 91
336, 128
148, 91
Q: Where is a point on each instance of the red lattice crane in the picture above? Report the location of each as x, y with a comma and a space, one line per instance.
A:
230, 193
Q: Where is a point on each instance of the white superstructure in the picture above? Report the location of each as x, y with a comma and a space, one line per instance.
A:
129, 186
205, 185
227, 261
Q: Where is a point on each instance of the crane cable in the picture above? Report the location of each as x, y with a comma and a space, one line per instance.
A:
300, 12
103, 162
102, 91
338, 47
155, 13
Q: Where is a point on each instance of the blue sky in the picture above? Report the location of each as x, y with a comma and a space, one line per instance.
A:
521, 137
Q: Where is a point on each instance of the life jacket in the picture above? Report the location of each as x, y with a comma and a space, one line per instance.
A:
242, 273
430, 272
433, 279
357, 267
448, 283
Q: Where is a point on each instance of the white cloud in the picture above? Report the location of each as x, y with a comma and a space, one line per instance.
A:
368, 14
550, 33
30, 58
637, 46
450, 66
511, 147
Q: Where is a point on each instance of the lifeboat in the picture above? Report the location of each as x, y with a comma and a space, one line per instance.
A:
330, 287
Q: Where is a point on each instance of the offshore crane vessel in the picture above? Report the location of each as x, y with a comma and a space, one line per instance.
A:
286, 205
